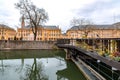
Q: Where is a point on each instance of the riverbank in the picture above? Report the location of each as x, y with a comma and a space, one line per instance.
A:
12, 44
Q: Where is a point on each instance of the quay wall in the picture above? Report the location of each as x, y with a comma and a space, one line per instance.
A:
12, 44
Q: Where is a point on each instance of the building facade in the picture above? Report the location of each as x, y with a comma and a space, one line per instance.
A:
45, 33
94, 31
52, 33
6, 33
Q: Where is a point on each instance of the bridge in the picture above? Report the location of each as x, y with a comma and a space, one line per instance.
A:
101, 66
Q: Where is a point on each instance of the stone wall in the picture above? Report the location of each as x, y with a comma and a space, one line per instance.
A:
11, 44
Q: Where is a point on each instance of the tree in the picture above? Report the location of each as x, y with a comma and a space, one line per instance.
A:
35, 72
83, 24
34, 16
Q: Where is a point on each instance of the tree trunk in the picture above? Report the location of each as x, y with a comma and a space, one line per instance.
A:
35, 36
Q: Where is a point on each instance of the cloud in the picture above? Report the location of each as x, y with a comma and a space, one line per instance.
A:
100, 11
8, 14
4, 13
62, 11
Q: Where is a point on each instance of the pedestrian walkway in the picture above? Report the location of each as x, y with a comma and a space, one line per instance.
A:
89, 73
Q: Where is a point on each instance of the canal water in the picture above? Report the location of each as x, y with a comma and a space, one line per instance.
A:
37, 65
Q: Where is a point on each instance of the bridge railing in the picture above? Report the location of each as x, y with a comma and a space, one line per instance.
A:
107, 47
103, 69
63, 41
102, 47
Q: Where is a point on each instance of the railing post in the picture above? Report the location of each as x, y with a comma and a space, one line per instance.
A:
113, 69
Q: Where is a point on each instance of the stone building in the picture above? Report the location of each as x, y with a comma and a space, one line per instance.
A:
94, 31
52, 33
6, 33
44, 33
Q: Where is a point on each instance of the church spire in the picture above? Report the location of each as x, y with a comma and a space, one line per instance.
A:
23, 22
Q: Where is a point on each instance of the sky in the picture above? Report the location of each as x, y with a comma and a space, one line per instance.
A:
61, 12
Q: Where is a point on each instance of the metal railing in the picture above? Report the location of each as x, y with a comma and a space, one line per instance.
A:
101, 68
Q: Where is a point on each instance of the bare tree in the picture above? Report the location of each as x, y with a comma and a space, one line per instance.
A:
35, 72
33, 15
83, 24
76, 22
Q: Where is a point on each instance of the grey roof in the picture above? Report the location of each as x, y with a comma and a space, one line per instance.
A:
28, 27
117, 24
102, 26
51, 27
5, 26
45, 27
114, 26
64, 34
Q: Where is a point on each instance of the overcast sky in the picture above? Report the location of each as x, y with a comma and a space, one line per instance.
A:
62, 11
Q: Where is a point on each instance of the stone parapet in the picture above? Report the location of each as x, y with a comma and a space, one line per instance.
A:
12, 44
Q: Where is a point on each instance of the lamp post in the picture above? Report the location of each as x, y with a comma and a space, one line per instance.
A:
98, 62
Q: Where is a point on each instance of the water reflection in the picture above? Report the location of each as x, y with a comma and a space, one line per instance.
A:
70, 73
34, 72
37, 65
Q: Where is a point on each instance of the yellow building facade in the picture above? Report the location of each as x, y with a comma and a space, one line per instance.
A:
52, 33
94, 31
6, 33
45, 33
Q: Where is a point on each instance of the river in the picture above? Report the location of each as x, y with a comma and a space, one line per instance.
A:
37, 65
